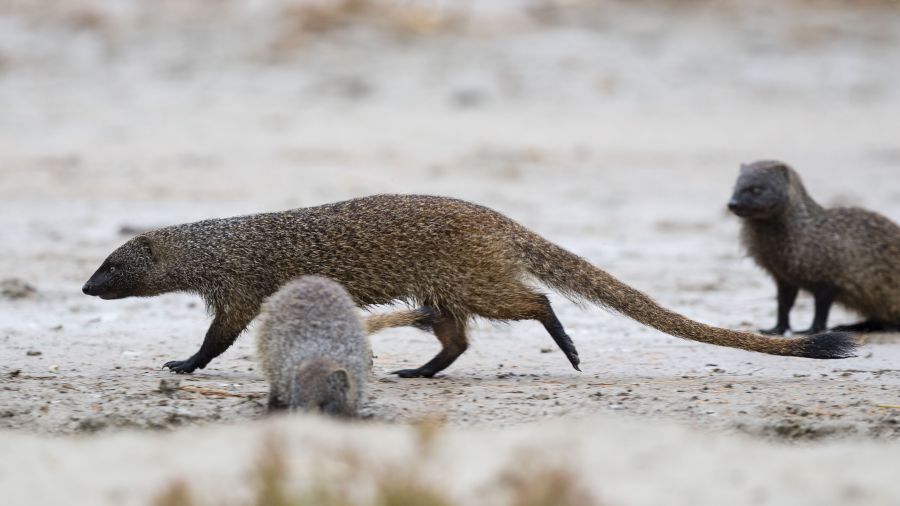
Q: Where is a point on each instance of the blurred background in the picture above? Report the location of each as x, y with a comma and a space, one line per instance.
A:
219, 100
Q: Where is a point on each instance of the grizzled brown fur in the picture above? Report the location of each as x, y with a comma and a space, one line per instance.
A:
312, 348
456, 258
845, 255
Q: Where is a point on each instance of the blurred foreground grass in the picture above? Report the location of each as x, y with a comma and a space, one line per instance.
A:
533, 482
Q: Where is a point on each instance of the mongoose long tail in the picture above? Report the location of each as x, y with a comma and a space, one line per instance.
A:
578, 279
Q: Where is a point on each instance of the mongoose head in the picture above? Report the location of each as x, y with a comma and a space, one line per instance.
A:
321, 385
126, 272
762, 190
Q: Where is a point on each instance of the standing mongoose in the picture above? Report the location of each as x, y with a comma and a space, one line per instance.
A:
845, 255
457, 258
313, 349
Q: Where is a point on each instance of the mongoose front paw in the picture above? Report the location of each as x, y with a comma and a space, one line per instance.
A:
181, 366
774, 331
413, 373
810, 331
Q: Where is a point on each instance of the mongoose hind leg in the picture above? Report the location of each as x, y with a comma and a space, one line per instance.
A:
824, 295
225, 328
451, 332
530, 305
868, 326
558, 333
787, 295
422, 318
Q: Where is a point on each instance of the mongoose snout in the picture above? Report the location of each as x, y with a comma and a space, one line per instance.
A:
127, 272
759, 194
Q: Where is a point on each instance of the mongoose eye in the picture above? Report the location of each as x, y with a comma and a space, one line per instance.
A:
112, 269
755, 190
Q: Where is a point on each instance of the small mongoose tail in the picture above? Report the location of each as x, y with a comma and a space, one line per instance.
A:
828, 345
578, 279
422, 318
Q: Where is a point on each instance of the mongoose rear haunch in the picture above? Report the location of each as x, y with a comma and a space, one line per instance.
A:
845, 255
313, 349
459, 259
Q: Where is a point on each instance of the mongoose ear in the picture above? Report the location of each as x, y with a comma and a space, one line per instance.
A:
148, 246
783, 169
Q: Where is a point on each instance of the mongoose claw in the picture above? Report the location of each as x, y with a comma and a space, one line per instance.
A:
774, 331
181, 366
810, 331
413, 373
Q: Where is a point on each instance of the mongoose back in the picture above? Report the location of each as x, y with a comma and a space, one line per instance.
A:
845, 255
313, 349
457, 258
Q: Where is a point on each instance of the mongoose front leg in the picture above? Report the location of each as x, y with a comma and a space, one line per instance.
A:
451, 332
824, 295
221, 334
787, 294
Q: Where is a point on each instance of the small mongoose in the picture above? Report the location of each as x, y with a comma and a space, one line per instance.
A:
845, 255
456, 258
313, 349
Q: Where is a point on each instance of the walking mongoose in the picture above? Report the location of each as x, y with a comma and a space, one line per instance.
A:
845, 255
457, 258
313, 349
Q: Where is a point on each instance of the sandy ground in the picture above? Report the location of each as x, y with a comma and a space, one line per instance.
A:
614, 131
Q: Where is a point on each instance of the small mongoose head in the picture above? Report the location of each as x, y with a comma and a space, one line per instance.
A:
322, 385
762, 190
126, 272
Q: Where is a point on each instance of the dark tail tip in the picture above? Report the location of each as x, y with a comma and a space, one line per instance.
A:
828, 345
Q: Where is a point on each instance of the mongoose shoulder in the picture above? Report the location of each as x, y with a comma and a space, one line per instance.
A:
459, 259
845, 255
313, 349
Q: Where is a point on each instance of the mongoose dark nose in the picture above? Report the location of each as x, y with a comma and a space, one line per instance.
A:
733, 205
87, 289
